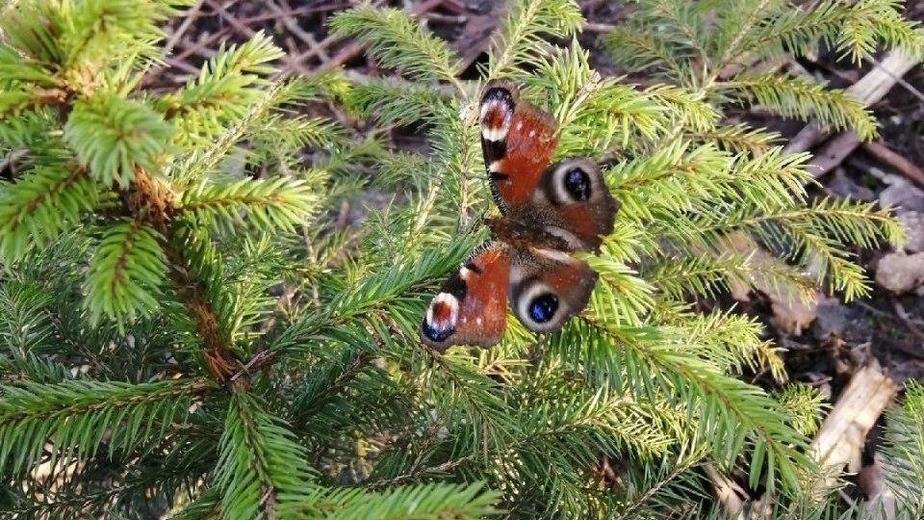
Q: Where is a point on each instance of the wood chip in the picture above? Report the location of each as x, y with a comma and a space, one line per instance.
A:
840, 440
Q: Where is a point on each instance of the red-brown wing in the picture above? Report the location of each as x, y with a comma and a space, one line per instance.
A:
573, 203
548, 287
568, 199
517, 140
471, 307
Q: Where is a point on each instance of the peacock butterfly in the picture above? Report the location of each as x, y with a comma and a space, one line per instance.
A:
547, 211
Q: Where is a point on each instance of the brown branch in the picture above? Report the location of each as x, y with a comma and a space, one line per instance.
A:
887, 156
153, 202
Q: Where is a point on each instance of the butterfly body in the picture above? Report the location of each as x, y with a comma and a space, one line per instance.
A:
547, 212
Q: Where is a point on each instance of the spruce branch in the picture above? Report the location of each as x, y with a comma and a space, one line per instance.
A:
652, 363
739, 138
42, 204
639, 50
522, 38
91, 32
76, 415
261, 468
398, 42
593, 113
224, 91
798, 97
278, 203
804, 405
423, 502
126, 272
396, 103
678, 276
904, 450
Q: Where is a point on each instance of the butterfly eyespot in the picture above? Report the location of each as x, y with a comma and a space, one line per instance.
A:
440, 321
577, 182
543, 307
497, 109
435, 334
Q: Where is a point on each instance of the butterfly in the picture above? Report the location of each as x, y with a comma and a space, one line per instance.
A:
547, 211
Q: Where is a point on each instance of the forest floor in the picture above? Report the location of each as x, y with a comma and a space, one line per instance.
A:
824, 344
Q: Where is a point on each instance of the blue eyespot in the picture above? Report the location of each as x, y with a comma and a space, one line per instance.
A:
577, 182
434, 334
543, 307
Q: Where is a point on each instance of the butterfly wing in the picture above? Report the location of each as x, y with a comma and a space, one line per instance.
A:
471, 307
547, 287
573, 203
568, 199
517, 140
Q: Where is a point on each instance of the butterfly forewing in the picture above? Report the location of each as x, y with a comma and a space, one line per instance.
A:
471, 307
574, 203
517, 140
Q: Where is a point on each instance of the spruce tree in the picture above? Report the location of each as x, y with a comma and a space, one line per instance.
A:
186, 332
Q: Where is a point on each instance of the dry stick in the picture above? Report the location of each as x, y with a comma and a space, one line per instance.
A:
604, 28
305, 37
178, 61
841, 438
196, 47
887, 156
191, 16
223, 13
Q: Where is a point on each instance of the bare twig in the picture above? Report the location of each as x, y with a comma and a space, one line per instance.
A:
191, 16
887, 156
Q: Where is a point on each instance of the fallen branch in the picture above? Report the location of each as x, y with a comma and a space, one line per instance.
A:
898, 162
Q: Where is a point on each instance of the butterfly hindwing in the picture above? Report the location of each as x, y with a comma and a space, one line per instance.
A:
471, 307
547, 287
517, 140
574, 203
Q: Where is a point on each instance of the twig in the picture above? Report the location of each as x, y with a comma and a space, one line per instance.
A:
903, 315
898, 162
223, 13
599, 27
191, 16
